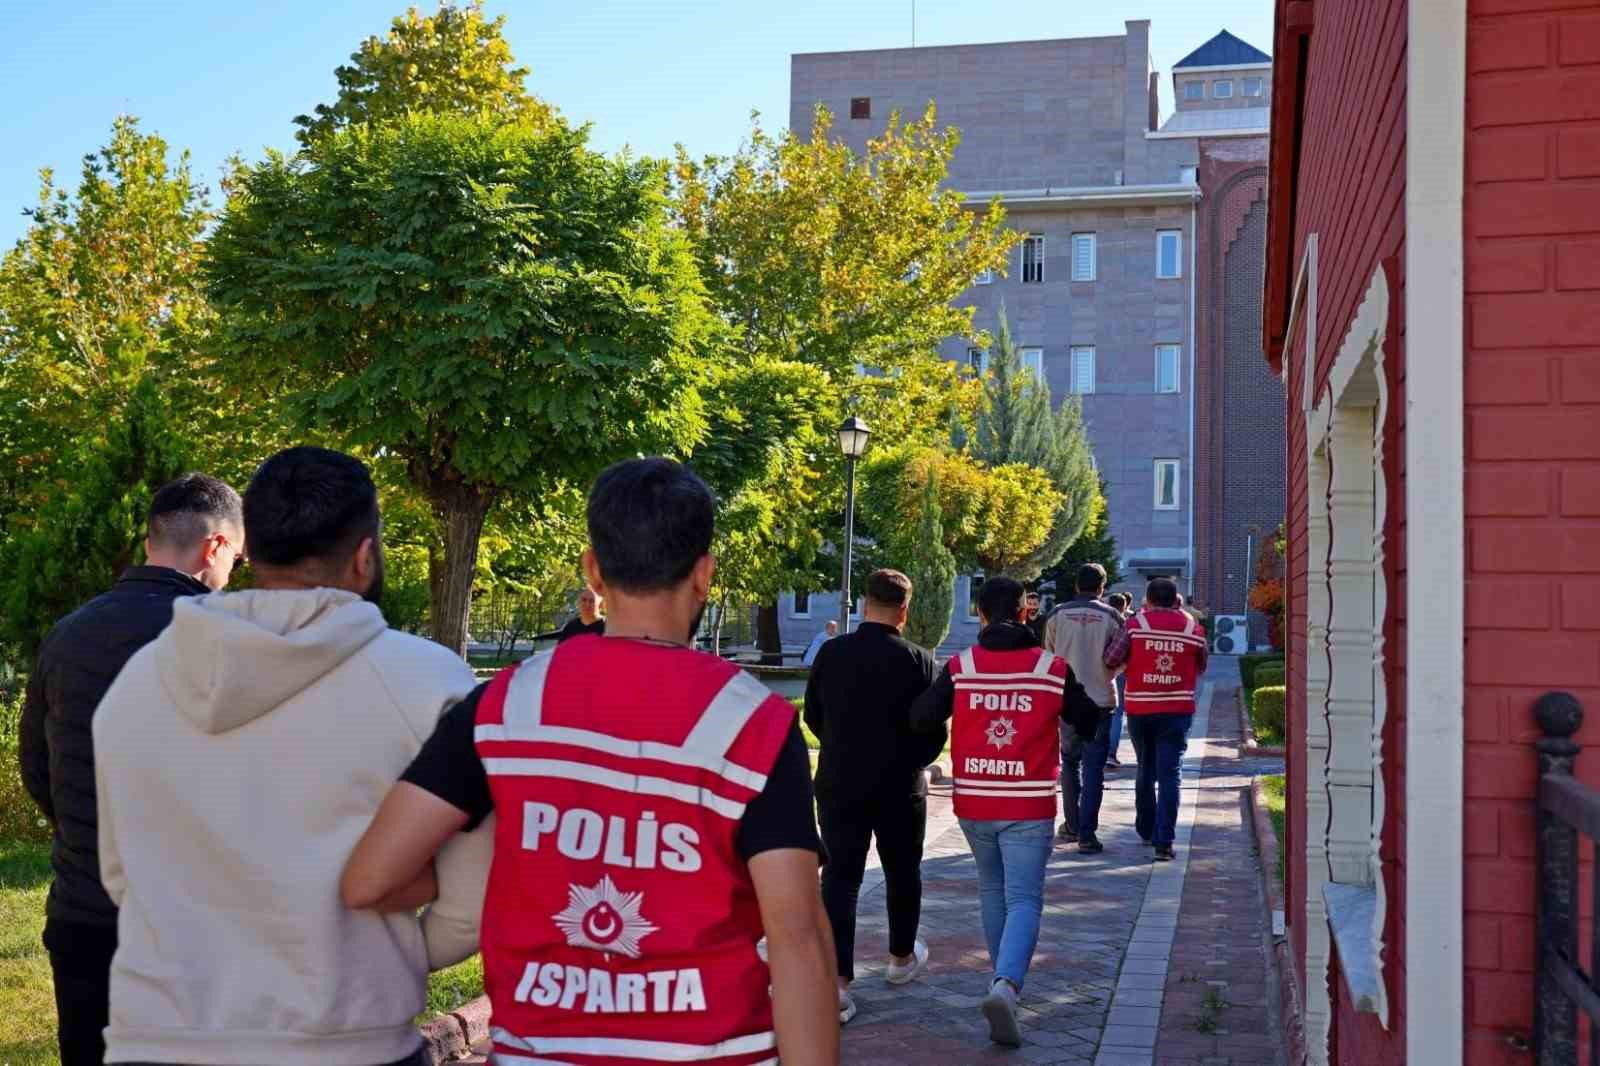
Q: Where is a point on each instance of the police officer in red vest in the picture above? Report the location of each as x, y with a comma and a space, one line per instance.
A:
1005, 698
653, 821
1164, 650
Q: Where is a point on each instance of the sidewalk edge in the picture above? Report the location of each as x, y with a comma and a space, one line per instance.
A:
1290, 1025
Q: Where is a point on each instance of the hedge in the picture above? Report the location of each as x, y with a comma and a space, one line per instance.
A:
1268, 675
1266, 714
19, 818
1249, 663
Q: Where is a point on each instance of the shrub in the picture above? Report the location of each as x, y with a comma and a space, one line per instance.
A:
1267, 675
19, 818
1249, 663
1267, 714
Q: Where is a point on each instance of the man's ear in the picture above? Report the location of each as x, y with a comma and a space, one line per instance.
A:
591, 572
704, 569
364, 564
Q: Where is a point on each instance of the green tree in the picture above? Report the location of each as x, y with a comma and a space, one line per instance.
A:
1096, 545
490, 302
452, 61
932, 570
1016, 425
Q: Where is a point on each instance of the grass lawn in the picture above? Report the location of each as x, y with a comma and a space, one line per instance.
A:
1272, 791
448, 989
27, 1001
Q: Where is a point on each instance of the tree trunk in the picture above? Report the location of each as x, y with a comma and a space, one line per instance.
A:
461, 512
768, 637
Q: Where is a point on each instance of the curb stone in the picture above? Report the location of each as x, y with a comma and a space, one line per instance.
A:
1288, 991
451, 1037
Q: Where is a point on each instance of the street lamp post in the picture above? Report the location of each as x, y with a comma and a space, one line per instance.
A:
853, 434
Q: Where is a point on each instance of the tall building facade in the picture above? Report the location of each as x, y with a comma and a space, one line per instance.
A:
1120, 290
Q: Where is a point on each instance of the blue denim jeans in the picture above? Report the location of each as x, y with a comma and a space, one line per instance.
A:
1116, 719
1160, 741
1011, 857
1094, 776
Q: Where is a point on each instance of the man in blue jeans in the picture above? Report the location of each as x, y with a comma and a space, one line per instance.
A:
1006, 696
1164, 650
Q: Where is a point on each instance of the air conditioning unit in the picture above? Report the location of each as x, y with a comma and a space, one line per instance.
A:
1230, 634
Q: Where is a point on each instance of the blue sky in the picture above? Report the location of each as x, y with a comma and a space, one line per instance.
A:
217, 78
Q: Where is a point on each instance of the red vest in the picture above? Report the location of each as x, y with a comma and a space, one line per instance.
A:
620, 923
1005, 741
1163, 662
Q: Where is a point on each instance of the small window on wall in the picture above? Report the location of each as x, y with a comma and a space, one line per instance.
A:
985, 277
1083, 257
802, 605
1082, 380
978, 360
1166, 497
861, 107
1033, 362
1033, 259
1167, 362
1188, 175
1169, 253
1221, 90
1194, 90
974, 583
1253, 87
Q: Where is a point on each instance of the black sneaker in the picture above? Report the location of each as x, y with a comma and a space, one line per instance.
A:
1113, 763
1066, 834
1090, 845
1164, 853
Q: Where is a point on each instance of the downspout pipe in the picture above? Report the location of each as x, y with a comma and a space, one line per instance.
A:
1194, 241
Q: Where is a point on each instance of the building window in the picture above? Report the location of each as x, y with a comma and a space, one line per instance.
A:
978, 359
985, 277
1188, 175
1253, 86
1169, 253
802, 605
974, 583
1082, 380
1083, 257
1033, 259
1167, 362
861, 107
1221, 90
1166, 497
1033, 362
1194, 90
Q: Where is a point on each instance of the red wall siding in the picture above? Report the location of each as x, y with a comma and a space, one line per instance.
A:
1351, 192
1533, 459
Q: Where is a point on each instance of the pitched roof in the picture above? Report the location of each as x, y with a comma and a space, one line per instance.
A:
1223, 50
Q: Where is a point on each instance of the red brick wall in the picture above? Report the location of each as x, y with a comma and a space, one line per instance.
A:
1533, 459
1350, 191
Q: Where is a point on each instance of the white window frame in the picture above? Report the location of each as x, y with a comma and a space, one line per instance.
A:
1259, 84
795, 610
981, 366
1222, 89
1091, 268
1033, 360
1035, 241
1177, 485
1176, 236
1080, 354
1176, 352
985, 277
1194, 90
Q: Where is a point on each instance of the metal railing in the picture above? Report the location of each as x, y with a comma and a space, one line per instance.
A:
1566, 809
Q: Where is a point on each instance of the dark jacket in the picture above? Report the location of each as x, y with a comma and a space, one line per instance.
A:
933, 708
861, 687
77, 663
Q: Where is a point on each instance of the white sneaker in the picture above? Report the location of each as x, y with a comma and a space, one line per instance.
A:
899, 975
1000, 1008
847, 1006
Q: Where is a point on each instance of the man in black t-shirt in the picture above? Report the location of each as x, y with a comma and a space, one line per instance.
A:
587, 620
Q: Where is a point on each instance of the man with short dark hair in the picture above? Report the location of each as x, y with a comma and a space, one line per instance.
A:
241, 754
195, 538
1164, 651
1005, 698
1080, 631
870, 782
655, 812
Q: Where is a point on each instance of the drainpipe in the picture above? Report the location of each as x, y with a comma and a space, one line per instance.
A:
1194, 240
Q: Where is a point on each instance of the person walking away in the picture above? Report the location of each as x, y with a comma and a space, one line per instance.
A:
870, 781
1119, 602
1007, 696
1079, 631
1164, 651
828, 632
655, 819
195, 536
240, 755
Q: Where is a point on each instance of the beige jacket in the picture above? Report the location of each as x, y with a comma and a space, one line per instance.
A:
238, 758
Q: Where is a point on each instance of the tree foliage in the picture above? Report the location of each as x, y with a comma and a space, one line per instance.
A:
452, 61
1015, 424
932, 570
1096, 545
491, 302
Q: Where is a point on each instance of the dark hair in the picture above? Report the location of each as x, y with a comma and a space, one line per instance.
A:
1000, 599
650, 521
1162, 592
309, 503
1091, 578
190, 507
888, 588
1119, 600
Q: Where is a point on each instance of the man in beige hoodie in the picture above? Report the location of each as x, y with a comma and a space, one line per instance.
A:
241, 755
